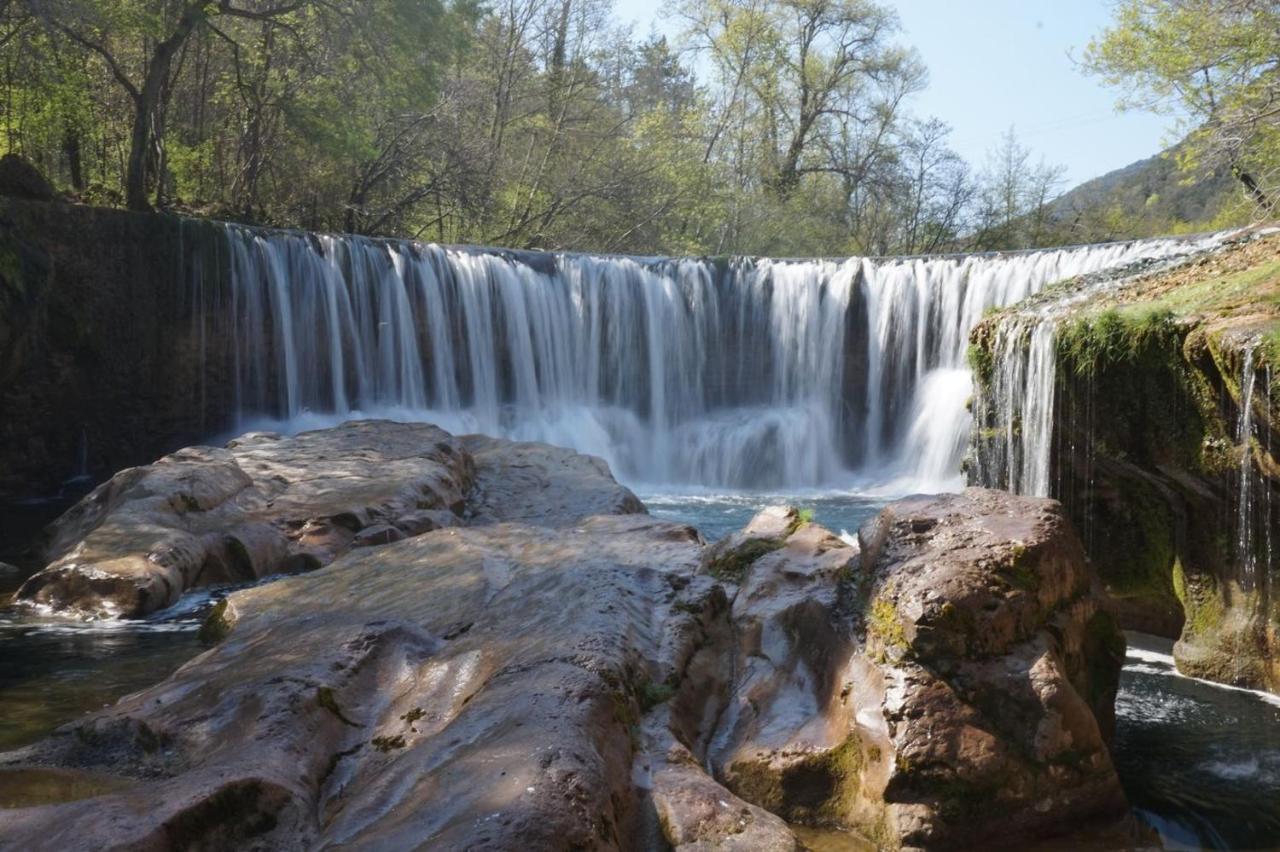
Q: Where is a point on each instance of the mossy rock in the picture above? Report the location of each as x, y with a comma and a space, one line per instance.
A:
817, 788
216, 625
732, 565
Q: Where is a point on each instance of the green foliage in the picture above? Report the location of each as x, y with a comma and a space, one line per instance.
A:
1212, 60
1093, 343
525, 123
652, 694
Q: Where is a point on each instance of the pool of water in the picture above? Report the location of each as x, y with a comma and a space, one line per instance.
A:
717, 515
54, 670
1200, 761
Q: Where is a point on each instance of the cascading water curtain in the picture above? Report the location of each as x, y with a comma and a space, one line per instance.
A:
1254, 510
750, 373
1017, 452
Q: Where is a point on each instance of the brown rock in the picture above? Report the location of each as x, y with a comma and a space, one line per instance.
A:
693, 811
952, 686
575, 680
376, 535
264, 505
492, 707
426, 520
540, 484
20, 179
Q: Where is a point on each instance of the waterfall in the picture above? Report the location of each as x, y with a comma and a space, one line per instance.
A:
1247, 542
749, 373
1018, 454
1023, 385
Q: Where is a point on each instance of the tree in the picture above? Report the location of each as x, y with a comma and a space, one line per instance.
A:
106, 29
811, 74
1217, 61
938, 189
1014, 197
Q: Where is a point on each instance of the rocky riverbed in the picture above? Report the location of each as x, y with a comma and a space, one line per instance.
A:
540, 664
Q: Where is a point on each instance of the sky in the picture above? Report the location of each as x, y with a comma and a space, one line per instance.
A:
996, 64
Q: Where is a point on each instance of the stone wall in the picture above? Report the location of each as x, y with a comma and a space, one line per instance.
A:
107, 356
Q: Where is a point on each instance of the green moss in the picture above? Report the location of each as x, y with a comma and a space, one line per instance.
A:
1140, 542
1179, 582
216, 625
805, 517
883, 622
815, 789
982, 362
1204, 608
733, 565
325, 698
1109, 339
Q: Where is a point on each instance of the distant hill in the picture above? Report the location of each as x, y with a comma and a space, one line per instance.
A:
1144, 198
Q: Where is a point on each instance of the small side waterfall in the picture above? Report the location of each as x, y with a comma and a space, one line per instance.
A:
1023, 385
746, 373
1254, 502
1244, 434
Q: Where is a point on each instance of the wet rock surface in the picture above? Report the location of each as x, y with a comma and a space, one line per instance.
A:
263, 505
558, 670
994, 669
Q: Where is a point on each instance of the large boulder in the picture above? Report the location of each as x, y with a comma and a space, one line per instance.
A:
20, 179
470, 688
950, 686
269, 504
541, 484
265, 504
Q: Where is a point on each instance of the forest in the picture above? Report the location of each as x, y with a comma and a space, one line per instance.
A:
767, 127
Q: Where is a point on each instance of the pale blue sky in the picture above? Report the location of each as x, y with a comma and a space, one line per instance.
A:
996, 63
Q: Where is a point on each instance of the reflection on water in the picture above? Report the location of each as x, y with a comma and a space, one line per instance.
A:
54, 670
1200, 762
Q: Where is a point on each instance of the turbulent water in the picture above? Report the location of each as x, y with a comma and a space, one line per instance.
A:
1200, 761
742, 373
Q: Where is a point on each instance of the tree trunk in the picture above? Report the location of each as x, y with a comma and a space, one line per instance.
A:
75, 165
1255, 191
147, 106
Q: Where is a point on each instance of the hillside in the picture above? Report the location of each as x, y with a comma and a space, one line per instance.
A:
1146, 198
